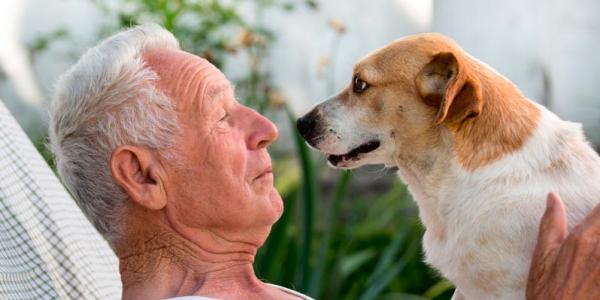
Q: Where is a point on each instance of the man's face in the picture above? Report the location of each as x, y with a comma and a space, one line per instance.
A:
222, 176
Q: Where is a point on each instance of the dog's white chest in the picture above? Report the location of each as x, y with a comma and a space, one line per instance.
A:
485, 263
481, 236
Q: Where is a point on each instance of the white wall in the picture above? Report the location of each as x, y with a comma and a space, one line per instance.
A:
521, 39
30, 19
525, 39
305, 37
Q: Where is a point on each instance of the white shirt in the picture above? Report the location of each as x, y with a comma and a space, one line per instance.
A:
299, 295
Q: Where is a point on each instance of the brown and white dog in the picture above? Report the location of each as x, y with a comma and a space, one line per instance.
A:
478, 157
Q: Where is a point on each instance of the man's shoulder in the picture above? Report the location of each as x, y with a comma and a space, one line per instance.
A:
191, 298
299, 295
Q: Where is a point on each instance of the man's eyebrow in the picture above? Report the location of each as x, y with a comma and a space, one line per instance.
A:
216, 91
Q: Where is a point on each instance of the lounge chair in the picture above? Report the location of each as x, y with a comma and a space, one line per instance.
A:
48, 249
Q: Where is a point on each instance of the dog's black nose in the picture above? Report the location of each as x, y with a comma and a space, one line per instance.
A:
306, 125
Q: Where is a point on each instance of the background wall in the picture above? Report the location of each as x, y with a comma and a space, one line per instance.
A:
548, 48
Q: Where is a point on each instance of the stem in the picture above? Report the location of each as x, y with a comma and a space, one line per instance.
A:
309, 197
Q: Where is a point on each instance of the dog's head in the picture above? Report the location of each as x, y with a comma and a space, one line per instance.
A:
397, 100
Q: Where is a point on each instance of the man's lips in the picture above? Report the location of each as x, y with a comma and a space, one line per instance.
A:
267, 171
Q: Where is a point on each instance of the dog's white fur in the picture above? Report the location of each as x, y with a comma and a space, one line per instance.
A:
481, 223
491, 216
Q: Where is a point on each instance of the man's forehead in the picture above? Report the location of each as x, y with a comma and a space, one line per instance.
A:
187, 77
171, 60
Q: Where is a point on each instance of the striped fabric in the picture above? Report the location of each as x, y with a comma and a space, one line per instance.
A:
48, 249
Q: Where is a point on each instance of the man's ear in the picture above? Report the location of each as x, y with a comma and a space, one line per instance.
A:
139, 173
446, 83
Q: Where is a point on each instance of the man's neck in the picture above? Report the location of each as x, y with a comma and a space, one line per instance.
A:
159, 262
175, 279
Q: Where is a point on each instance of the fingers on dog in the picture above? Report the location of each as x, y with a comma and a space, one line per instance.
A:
589, 228
553, 227
585, 237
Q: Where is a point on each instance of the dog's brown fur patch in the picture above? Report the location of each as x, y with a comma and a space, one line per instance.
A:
487, 115
504, 124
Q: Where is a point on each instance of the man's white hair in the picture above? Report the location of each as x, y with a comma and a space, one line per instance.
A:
105, 100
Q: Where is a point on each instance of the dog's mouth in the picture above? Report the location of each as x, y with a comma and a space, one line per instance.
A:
354, 154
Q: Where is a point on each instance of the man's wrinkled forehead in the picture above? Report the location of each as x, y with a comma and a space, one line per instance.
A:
186, 78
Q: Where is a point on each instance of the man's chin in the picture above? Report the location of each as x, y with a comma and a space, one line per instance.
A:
276, 204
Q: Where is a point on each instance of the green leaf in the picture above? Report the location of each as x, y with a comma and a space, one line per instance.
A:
334, 208
382, 281
389, 253
312, 4
309, 197
402, 296
438, 289
43, 42
352, 262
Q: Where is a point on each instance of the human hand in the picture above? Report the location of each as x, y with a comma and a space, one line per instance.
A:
565, 267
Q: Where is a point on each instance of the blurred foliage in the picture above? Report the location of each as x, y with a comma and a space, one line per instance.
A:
215, 30
42, 42
343, 244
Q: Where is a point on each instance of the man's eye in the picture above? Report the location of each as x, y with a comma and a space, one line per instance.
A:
359, 85
224, 118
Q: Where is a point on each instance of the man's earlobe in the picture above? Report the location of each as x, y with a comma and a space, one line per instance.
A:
447, 84
139, 173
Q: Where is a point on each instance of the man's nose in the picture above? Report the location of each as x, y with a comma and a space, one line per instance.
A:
263, 131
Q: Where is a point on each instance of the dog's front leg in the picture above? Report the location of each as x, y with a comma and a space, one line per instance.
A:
458, 295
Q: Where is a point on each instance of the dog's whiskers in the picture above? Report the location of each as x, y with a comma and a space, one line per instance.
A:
318, 137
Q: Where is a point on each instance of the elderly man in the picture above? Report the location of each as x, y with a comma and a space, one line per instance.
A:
175, 174
169, 167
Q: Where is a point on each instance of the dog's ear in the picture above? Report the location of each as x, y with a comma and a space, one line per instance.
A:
446, 83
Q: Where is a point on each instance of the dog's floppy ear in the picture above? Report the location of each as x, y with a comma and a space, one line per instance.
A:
446, 83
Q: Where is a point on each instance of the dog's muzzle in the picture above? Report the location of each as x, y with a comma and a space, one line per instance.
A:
307, 126
312, 126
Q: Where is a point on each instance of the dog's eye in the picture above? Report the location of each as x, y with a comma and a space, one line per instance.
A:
359, 85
